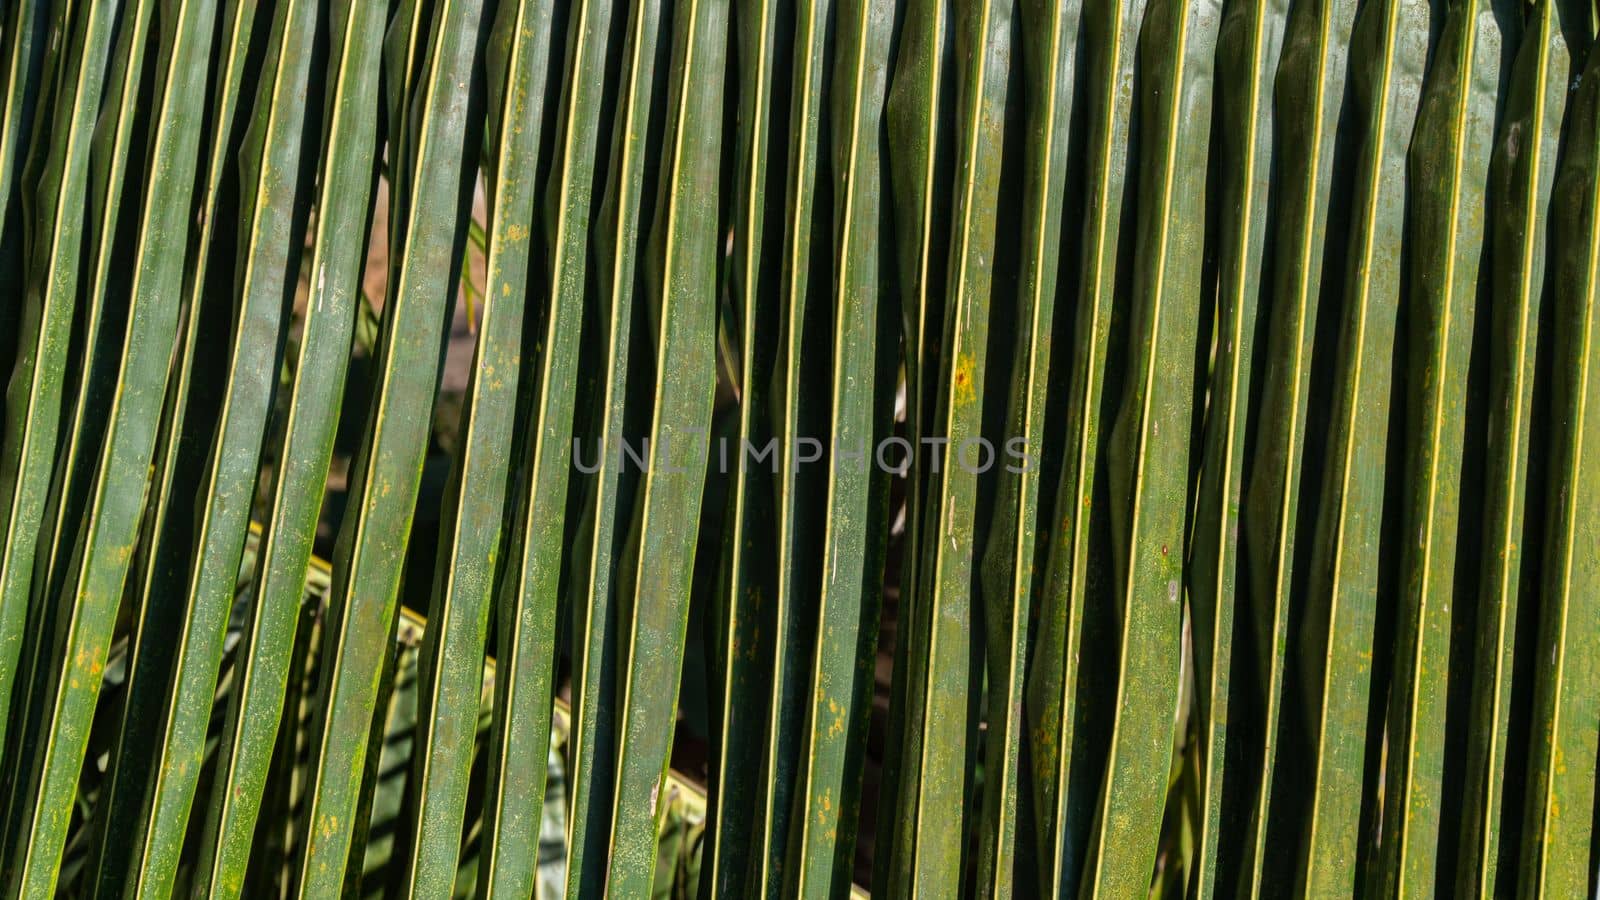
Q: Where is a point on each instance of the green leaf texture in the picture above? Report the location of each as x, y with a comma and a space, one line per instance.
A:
799, 448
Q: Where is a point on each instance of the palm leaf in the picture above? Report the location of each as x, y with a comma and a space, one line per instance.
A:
846, 611
780, 319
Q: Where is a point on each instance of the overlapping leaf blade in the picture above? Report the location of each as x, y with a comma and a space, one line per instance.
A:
254, 713
680, 285
747, 576
1249, 42
1150, 441
384, 487
1449, 182
1281, 481
595, 592
1561, 770
1389, 52
1050, 60
1069, 713
847, 609
1522, 174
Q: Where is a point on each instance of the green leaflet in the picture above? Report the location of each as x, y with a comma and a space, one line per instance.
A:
1389, 48
1150, 440
104, 543
1521, 176
1249, 42
846, 611
597, 620
384, 486
34, 393
918, 109
1308, 98
1049, 61
983, 46
797, 408
1566, 713
679, 281
344, 207
1449, 171
527, 605
1069, 708
747, 575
